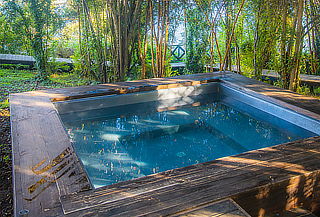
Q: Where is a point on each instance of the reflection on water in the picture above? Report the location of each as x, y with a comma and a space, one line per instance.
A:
137, 143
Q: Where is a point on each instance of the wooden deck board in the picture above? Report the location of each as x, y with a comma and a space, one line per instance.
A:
313, 80
30, 155
202, 188
38, 136
215, 168
222, 208
26, 60
299, 191
297, 212
34, 144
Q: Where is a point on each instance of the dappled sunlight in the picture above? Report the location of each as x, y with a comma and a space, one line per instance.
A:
203, 213
277, 164
291, 192
179, 92
25, 99
298, 188
4, 112
174, 103
102, 161
111, 128
262, 212
26, 171
275, 91
42, 104
309, 186
264, 192
183, 113
115, 154
44, 94
152, 121
178, 106
111, 137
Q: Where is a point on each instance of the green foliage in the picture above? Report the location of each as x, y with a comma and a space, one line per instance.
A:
10, 41
4, 104
262, 37
36, 21
71, 80
197, 37
14, 66
304, 90
16, 81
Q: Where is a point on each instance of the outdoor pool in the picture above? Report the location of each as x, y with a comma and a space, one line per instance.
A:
123, 137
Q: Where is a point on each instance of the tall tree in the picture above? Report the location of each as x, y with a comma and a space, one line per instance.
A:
294, 76
38, 19
123, 21
197, 36
160, 23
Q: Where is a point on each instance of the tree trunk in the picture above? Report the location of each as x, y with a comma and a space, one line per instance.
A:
294, 77
284, 74
125, 16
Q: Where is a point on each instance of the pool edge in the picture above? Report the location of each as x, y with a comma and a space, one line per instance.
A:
30, 115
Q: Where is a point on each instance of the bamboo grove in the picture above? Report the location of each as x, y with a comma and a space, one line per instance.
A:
116, 40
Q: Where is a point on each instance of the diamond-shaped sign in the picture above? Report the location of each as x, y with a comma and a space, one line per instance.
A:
178, 52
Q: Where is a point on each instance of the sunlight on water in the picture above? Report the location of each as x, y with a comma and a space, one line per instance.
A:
129, 146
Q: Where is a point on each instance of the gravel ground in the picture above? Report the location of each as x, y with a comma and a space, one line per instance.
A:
6, 201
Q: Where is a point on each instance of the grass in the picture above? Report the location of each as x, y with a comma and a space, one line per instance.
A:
16, 81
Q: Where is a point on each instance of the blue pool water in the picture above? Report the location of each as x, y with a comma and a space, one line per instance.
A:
137, 140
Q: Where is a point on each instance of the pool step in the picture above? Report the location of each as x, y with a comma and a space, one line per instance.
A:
159, 131
223, 208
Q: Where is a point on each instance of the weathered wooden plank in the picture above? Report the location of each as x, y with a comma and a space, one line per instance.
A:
35, 122
27, 60
214, 166
297, 212
222, 208
39, 135
170, 206
37, 167
305, 102
30, 148
273, 200
312, 80
125, 88
203, 181
176, 201
257, 156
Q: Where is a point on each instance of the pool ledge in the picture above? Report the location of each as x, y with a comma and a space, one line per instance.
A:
49, 180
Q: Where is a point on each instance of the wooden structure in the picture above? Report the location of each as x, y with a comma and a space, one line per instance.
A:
312, 81
49, 179
224, 208
27, 60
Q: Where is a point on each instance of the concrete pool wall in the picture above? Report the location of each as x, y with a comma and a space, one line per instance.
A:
180, 96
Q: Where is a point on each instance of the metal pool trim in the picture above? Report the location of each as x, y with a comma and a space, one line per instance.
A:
264, 103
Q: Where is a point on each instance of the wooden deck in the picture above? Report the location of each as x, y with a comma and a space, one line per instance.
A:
309, 80
224, 208
26, 60
50, 181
